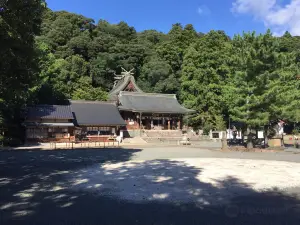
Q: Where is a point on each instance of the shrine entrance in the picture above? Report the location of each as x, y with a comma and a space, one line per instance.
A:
161, 122
149, 121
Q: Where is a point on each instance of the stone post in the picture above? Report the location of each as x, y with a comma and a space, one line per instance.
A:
224, 141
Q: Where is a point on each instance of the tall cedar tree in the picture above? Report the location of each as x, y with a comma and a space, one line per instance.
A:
19, 23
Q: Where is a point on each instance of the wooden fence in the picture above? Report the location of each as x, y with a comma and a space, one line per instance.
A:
84, 144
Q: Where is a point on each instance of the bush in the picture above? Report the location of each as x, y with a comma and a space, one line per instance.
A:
1, 140
296, 131
12, 142
206, 129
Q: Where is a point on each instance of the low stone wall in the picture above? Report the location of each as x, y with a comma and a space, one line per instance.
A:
131, 133
243, 149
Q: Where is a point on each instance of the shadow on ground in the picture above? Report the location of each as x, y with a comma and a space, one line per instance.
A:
104, 187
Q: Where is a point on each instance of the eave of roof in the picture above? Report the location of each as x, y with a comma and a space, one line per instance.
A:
154, 111
37, 124
92, 102
151, 102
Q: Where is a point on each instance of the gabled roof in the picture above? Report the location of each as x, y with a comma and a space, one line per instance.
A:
151, 102
121, 85
49, 112
96, 113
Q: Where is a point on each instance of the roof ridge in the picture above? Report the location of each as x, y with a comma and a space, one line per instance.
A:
42, 105
92, 102
147, 94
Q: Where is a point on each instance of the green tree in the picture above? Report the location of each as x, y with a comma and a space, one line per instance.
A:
85, 91
156, 76
205, 70
19, 23
258, 81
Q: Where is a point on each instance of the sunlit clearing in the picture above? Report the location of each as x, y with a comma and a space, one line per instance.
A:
7, 206
81, 181
24, 194
44, 177
21, 213
202, 202
60, 196
110, 166
67, 205
73, 197
160, 196
195, 191
108, 173
162, 179
57, 188
4, 181
60, 173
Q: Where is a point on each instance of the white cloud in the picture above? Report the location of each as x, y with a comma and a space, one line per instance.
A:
204, 10
279, 18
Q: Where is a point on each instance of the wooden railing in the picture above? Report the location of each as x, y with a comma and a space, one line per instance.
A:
84, 144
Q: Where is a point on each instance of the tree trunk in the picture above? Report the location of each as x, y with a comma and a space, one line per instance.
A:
266, 136
249, 139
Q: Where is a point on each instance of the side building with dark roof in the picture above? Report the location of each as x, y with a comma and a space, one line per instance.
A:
89, 120
46, 123
96, 120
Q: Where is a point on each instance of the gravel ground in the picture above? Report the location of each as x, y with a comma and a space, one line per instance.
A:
202, 184
151, 153
170, 185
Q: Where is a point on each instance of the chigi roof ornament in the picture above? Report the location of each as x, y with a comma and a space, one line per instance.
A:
124, 74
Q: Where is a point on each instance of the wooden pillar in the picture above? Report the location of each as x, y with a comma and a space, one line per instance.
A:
169, 124
179, 124
140, 124
140, 120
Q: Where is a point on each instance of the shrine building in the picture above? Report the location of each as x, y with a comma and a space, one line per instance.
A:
146, 111
128, 109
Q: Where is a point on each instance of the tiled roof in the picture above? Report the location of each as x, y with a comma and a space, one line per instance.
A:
37, 124
96, 113
151, 102
49, 112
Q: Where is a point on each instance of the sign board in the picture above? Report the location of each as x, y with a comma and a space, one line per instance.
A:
131, 123
260, 134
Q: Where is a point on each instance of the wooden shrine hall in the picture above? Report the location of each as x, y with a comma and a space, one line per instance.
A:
128, 109
148, 111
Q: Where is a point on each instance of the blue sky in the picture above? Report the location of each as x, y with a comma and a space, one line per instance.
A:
232, 16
